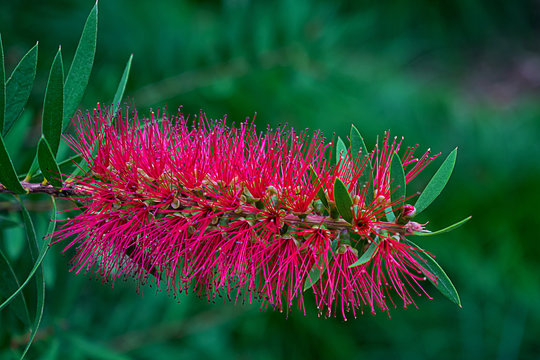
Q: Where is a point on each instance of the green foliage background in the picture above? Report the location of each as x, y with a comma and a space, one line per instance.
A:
443, 74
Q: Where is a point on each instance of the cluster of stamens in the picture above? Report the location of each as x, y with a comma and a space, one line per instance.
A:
233, 212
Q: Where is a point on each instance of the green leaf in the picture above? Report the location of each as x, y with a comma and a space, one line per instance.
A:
443, 282
2, 88
63, 165
33, 168
322, 196
313, 276
37, 256
320, 193
341, 150
397, 178
20, 130
369, 192
48, 164
329, 154
81, 67
8, 176
40, 281
316, 273
357, 144
19, 86
8, 286
121, 87
40, 305
437, 183
53, 105
71, 161
446, 229
343, 200
390, 214
370, 252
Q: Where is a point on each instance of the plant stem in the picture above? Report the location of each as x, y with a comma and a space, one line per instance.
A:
66, 191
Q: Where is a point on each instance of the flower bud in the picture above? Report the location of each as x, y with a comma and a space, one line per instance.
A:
408, 212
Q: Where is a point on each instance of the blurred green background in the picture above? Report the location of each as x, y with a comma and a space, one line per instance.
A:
441, 73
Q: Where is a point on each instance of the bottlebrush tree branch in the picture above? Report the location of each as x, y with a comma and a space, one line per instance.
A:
228, 210
265, 215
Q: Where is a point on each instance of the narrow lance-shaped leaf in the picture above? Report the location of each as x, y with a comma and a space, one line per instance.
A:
316, 273
39, 256
8, 286
341, 155
390, 214
370, 252
397, 176
63, 165
446, 229
443, 282
437, 183
40, 305
40, 280
341, 150
30, 232
53, 105
329, 154
320, 193
15, 139
48, 164
322, 196
121, 87
33, 168
18, 87
81, 67
313, 276
2, 88
8, 176
357, 144
343, 200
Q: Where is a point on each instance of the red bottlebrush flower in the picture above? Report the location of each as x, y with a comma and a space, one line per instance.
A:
346, 288
397, 266
230, 211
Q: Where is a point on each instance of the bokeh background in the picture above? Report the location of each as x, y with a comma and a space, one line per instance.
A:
441, 73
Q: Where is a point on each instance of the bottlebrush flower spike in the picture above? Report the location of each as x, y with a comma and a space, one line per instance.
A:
229, 211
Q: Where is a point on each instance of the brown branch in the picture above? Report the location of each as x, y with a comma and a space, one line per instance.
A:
66, 191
